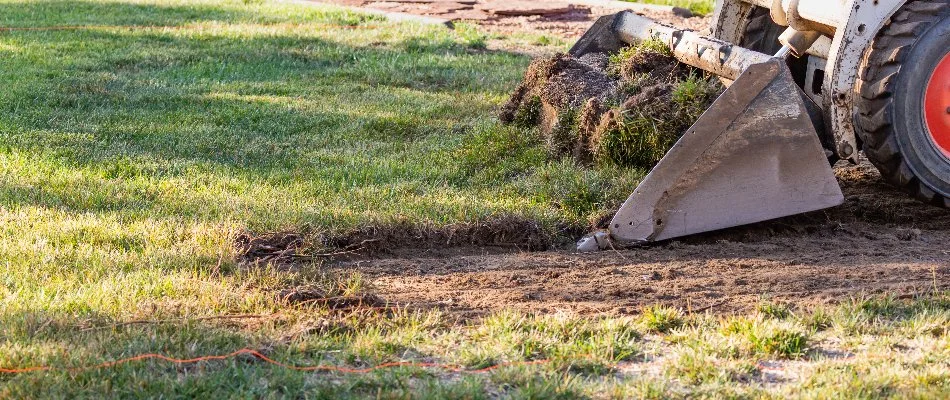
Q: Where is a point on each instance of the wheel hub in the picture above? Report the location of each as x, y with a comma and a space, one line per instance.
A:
937, 106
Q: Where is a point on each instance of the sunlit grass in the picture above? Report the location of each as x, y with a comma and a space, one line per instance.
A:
138, 139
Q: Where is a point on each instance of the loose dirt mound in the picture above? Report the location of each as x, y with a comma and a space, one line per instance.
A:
627, 109
878, 242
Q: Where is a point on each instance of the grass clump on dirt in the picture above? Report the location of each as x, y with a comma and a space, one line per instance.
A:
574, 344
698, 7
767, 337
625, 109
771, 309
661, 319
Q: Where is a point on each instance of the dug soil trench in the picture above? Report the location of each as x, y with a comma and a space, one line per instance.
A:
878, 242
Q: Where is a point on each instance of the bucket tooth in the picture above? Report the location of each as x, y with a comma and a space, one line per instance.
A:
754, 155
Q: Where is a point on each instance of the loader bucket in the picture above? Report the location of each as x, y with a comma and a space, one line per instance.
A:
754, 155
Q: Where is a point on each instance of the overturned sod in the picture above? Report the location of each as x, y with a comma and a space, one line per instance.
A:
626, 109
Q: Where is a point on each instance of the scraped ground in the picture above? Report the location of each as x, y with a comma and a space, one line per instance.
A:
878, 242
564, 18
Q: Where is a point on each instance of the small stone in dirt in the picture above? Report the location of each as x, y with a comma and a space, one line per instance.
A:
671, 274
683, 12
652, 276
908, 234
596, 241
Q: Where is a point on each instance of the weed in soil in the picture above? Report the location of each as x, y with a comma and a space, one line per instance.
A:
626, 109
661, 319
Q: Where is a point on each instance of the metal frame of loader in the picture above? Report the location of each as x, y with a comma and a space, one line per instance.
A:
761, 150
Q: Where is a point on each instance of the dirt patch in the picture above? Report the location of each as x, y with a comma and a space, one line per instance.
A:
624, 109
565, 19
500, 234
318, 297
878, 242
277, 247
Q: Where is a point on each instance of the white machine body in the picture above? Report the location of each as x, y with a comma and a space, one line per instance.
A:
846, 29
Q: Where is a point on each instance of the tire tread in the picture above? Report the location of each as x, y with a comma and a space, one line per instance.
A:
880, 69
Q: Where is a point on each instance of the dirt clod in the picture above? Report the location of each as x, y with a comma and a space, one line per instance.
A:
319, 297
501, 232
278, 247
560, 83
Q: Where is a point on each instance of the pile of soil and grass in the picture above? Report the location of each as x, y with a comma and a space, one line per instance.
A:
625, 109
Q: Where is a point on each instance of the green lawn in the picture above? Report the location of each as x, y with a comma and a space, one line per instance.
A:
138, 139
135, 150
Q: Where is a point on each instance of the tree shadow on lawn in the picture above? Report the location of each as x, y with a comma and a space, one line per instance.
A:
233, 100
278, 110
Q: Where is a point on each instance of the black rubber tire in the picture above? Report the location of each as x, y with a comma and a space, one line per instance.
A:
891, 84
761, 33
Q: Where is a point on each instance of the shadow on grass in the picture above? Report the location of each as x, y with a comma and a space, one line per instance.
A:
150, 93
106, 120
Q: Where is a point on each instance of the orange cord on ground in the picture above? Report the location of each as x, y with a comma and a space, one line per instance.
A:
258, 355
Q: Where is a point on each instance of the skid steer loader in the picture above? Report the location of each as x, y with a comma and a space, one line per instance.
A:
809, 81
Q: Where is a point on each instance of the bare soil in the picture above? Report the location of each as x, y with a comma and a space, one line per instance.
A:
562, 18
879, 242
